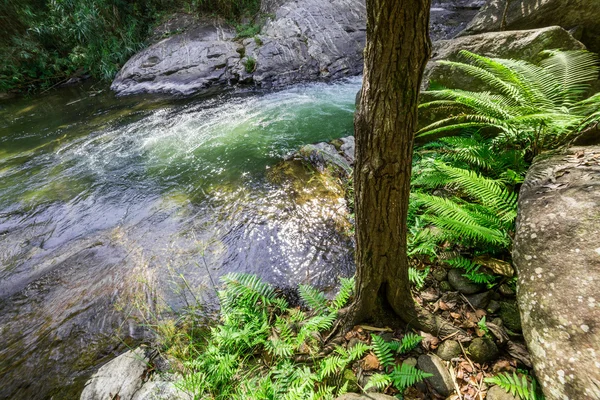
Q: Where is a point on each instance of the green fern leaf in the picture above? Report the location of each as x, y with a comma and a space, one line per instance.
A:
405, 375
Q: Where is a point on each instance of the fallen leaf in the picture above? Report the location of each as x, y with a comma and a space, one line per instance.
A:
455, 315
370, 362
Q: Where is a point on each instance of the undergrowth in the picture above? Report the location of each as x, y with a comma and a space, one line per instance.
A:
262, 348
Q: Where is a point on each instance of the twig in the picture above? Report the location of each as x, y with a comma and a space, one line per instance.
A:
468, 302
467, 357
453, 376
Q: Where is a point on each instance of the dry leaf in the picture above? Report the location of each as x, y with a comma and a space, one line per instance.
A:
370, 362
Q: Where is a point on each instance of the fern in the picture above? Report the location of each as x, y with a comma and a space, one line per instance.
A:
313, 298
405, 375
383, 351
517, 386
534, 107
417, 277
378, 381
409, 342
344, 294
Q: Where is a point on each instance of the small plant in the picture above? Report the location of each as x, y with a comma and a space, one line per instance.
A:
482, 325
250, 65
417, 277
401, 376
247, 30
525, 387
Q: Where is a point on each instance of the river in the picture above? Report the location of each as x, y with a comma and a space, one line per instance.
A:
115, 210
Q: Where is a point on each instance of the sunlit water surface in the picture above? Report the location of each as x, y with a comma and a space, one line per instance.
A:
111, 208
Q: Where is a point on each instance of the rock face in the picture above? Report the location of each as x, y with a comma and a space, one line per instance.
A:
307, 40
304, 40
557, 255
524, 45
580, 15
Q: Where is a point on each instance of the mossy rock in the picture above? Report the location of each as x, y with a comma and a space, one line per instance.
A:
483, 350
509, 313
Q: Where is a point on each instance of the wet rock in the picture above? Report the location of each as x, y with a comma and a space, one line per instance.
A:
347, 148
497, 393
557, 256
440, 274
582, 15
441, 380
482, 350
448, 350
324, 155
480, 300
509, 313
463, 284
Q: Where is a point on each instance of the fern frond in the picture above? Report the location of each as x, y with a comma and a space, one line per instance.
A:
379, 381
516, 386
313, 298
417, 277
346, 291
383, 351
409, 342
405, 375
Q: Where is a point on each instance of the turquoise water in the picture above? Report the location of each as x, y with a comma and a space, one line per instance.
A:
110, 207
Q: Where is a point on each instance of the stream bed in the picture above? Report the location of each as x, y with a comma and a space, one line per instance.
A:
116, 208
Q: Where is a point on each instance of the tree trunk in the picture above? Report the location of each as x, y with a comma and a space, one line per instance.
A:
397, 50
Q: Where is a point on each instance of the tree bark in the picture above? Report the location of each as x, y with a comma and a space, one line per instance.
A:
397, 50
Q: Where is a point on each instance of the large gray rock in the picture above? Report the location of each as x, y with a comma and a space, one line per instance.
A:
127, 378
557, 255
306, 40
523, 45
527, 14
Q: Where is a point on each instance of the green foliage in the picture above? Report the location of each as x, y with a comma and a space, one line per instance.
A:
529, 107
44, 42
402, 376
464, 200
483, 325
409, 342
417, 277
250, 65
516, 385
247, 30
383, 350
250, 353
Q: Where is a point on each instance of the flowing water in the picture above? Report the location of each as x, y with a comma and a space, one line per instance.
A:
109, 207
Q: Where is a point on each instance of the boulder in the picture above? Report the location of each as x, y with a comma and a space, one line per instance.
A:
523, 45
483, 350
556, 253
582, 15
305, 40
448, 350
441, 380
463, 284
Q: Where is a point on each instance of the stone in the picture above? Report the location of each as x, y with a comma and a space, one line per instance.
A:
509, 313
448, 350
581, 15
497, 393
463, 284
557, 257
506, 291
440, 274
351, 380
121, 377
347, 148
445, 286
493, 306
480, 300
482, 350
441, 380
410, 361
324, 155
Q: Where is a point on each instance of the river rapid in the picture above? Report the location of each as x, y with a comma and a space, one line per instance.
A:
115, 210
